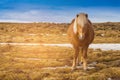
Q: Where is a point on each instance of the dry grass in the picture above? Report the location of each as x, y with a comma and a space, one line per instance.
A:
27, 63
54, 33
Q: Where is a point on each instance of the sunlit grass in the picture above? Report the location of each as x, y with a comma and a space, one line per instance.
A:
27, 63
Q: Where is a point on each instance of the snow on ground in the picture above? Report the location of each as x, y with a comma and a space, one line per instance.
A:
102, 46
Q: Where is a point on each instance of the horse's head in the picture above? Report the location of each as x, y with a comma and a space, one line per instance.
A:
80, 27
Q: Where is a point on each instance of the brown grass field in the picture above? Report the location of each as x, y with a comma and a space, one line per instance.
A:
54, 63
54, 33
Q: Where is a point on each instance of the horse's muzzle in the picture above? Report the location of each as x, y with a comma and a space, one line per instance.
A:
81, 37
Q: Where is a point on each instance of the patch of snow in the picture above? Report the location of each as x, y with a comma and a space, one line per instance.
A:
105, 46
35, 59
109, 79
62, 67
102, 35
102, 46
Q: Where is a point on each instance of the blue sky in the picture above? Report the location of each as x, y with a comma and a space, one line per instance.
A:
60, 11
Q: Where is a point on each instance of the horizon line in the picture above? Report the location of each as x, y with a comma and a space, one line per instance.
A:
52, 22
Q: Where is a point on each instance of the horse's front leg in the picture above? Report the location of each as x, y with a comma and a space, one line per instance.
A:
78, 60
75, 58
80, 57
84, 57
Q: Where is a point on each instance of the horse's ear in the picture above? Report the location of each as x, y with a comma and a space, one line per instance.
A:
75, 27
86, 15
77, 15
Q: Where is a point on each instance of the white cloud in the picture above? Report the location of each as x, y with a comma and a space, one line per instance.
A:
62, 16
36, 16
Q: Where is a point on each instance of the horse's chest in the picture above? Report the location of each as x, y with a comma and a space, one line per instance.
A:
83, 42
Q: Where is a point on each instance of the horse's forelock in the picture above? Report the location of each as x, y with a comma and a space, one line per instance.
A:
82, 20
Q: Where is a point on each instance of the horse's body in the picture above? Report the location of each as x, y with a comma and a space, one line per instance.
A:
81, 35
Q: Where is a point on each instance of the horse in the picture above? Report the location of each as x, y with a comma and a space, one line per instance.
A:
81, 35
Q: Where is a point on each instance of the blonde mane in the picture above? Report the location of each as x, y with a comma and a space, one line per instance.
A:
75, 27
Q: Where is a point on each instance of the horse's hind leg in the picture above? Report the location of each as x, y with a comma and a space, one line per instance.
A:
75, 58
85, 58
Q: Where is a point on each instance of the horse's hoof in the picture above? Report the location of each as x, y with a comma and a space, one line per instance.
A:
80, 63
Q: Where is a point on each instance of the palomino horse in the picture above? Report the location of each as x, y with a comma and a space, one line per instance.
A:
81, 35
